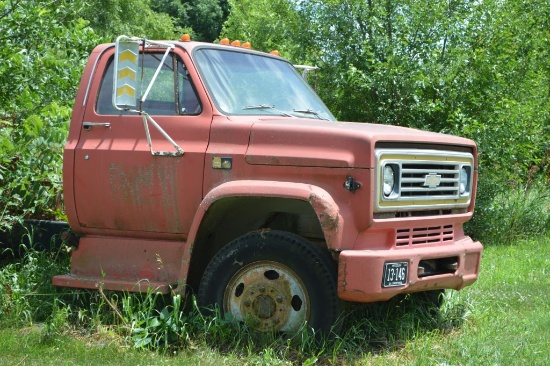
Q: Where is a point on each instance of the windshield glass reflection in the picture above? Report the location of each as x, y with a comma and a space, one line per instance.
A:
246, 84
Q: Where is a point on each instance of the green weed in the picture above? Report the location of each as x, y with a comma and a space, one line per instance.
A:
503, 317
506, 216
509, 295
168, 324
26, 292
149, 327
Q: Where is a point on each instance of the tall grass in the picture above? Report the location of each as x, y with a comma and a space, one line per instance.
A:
502, 319
168, 324
26, 292
509, 215
157, 323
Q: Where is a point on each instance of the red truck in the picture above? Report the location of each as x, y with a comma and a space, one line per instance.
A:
216, 170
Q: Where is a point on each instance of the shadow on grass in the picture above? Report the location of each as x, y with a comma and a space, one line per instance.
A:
365, 328
388, 324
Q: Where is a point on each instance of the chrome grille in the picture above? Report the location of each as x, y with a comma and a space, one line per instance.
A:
424, 180
413, 180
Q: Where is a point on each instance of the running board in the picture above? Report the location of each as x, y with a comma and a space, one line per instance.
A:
124, 264
112, 284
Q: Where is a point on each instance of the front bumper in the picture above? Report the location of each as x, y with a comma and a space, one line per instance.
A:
360, 272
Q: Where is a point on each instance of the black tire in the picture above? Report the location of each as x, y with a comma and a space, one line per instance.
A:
273, 281
435, 297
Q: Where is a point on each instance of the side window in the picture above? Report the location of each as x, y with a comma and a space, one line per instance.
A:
188, 101
171, 94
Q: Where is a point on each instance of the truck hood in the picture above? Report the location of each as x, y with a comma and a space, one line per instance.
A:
311, 143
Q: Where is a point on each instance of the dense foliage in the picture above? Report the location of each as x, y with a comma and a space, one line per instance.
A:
471, 68
479, 69
43, 48
202, 19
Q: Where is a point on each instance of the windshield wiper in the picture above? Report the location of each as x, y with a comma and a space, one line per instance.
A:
265, 106
310, 111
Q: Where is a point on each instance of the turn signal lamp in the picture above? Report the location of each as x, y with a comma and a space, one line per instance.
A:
185, 37
224, 41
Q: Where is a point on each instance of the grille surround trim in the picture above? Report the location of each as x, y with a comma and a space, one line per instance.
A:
426, 179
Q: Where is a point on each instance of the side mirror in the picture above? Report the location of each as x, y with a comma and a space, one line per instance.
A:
126, 95
127, 58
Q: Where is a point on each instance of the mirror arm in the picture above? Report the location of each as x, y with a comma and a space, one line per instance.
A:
147, 118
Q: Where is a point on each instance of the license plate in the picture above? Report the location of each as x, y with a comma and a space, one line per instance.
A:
395, 274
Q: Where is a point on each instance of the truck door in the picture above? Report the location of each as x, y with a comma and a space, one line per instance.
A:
120, 186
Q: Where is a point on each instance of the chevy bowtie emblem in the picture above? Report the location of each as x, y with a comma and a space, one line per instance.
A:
432, 180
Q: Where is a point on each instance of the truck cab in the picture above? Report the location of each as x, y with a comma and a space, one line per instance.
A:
216, 170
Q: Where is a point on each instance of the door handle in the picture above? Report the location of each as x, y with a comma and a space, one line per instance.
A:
88, 125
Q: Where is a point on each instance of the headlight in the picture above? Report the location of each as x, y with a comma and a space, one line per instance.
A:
389, 180
464, 183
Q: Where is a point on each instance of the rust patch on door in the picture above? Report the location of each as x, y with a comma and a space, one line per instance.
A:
147, 195
134, 186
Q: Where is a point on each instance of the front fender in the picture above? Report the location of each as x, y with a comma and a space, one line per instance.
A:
322, 202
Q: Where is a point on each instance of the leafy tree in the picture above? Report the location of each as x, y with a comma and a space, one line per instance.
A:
202, 18
269, 25
111, 18
44, 46
477, 69
43, 49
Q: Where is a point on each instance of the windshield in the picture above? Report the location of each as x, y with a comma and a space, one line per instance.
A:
245, 84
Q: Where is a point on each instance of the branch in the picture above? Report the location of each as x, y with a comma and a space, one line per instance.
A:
11, 10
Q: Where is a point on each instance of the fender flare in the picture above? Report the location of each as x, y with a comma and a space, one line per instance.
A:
323, 204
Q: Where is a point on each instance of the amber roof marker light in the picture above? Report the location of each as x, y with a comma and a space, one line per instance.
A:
235, 43
185, 37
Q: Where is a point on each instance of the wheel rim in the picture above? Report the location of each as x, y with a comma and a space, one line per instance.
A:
267, 296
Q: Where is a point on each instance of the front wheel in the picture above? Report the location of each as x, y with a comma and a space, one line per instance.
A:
273, 281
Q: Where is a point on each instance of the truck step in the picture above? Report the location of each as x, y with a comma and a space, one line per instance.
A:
114, 284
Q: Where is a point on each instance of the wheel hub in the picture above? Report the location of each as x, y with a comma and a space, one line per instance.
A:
264, 304
265, 296
264, 307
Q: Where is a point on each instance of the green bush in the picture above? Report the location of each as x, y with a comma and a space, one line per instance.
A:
40, 70
26, 291
505, 215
